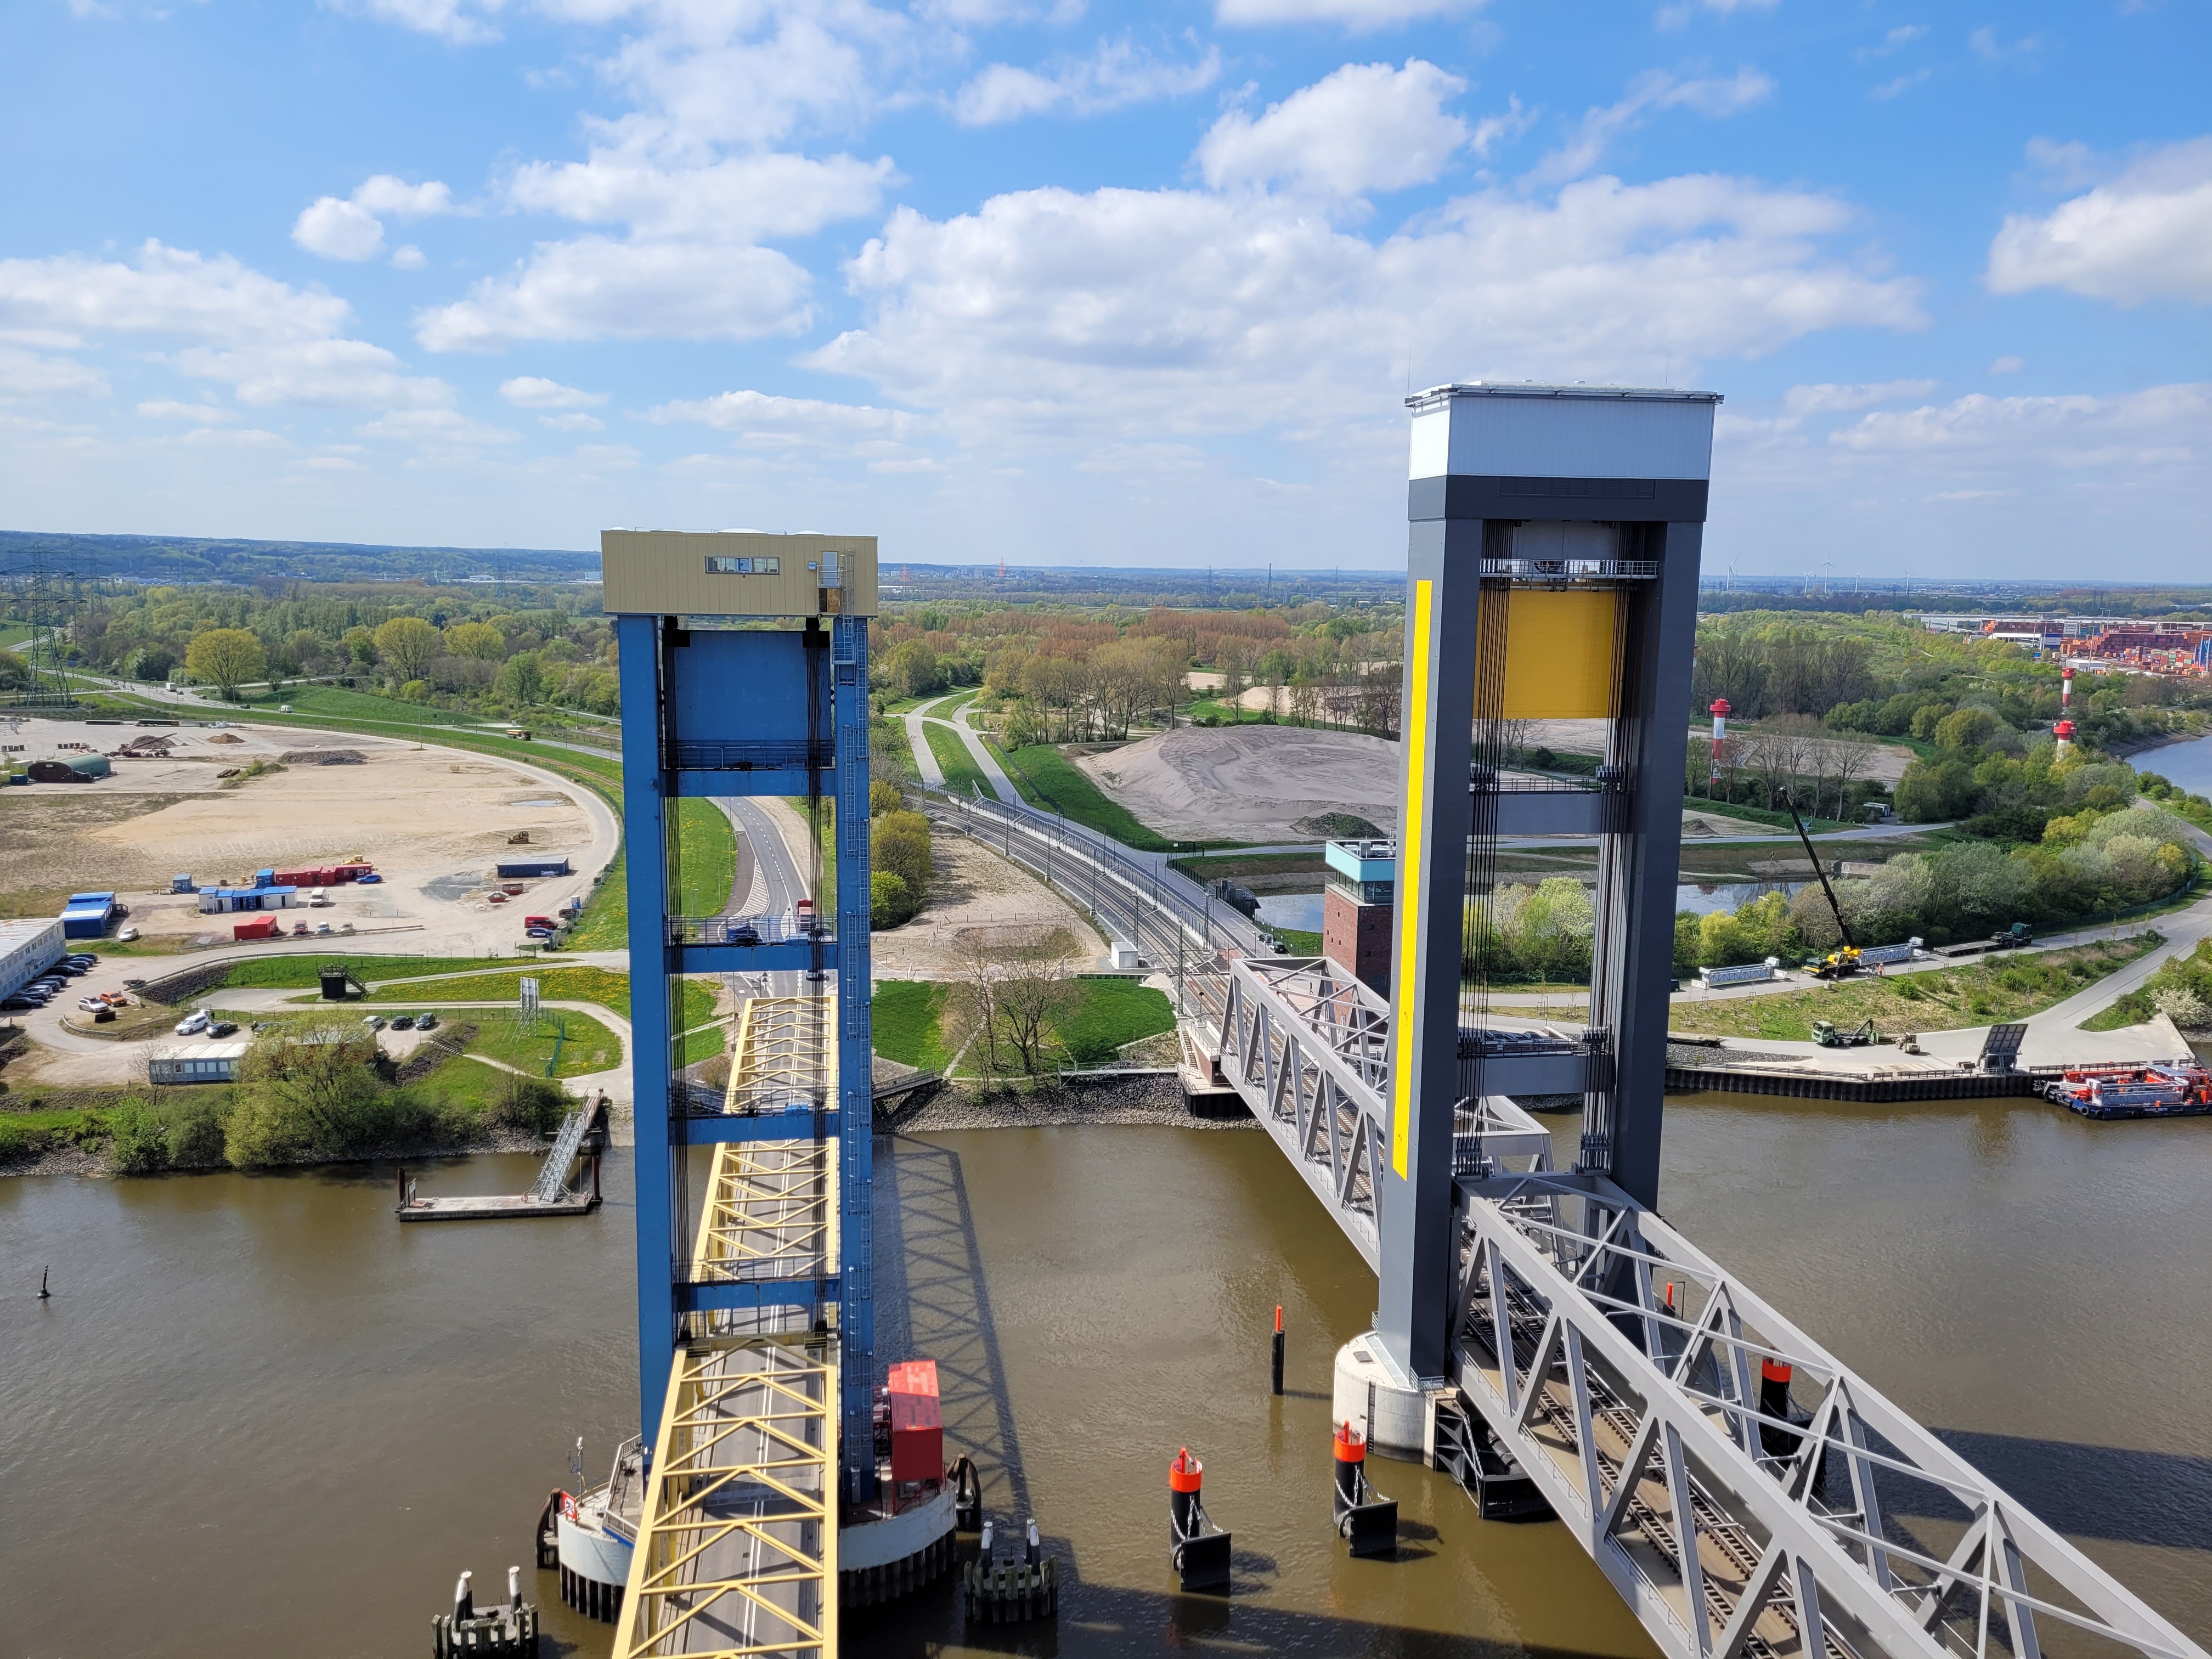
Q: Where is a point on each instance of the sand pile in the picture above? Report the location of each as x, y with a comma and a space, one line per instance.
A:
1250, 783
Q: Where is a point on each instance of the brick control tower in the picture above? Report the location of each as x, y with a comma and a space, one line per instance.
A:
1357, 907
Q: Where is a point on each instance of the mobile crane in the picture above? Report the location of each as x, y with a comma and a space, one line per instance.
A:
1843, 962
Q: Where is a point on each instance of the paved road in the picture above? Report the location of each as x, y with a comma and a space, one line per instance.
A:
778, 883
917, 738
985, 761
918, 720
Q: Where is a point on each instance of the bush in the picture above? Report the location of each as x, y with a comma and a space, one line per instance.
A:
535, 1104
138, 1141
883, 797
900, 845
889, 901
195, 1135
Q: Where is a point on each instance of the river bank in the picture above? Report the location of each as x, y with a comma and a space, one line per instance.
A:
73, 1159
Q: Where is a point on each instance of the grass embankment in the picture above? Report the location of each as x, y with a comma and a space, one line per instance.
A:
304, 969
1985, 993
1298, 942
706, 859
2192, 974
582, 1044
1722, 809
910, 1018
962, 774
1238, 864
1049, 780
905, 1015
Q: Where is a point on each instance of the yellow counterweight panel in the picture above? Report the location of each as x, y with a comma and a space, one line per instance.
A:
1559, 651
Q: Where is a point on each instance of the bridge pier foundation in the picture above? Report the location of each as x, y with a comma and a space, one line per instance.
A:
1374, 1397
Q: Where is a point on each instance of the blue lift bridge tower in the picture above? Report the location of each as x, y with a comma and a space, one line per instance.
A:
752, 1497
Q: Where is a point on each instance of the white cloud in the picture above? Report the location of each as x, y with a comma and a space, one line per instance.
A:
1366, 127
2147, 235
234, 437
449, 20
575, 421
1991, 49
1678, 16
1896, 41
1355, 15
759, 418
408, 257
1898, 86
1828, 398
435, 426
532, 391
1118, 73
339, 230
353, 227
598, 288
1045, 310
2007, 365
272, 342
1711, 96
163, 409
736, 199
27, 375
2158, 428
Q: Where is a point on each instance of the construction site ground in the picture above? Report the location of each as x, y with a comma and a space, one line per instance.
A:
432, 821
979, 899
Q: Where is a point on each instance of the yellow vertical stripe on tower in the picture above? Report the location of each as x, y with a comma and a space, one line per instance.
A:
1409, 875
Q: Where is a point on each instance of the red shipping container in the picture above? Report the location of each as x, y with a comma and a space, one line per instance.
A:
266, 928
917, 1424
328, 876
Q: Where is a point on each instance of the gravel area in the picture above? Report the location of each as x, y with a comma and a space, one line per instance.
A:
1099, 1100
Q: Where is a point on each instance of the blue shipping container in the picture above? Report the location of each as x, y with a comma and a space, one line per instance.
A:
534, 867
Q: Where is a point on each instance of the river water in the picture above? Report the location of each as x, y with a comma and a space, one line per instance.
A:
260, 1416
2185, 765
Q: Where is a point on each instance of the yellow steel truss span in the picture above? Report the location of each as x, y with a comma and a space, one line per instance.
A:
736, 1545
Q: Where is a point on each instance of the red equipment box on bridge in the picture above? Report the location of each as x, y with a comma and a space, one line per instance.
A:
917, 1424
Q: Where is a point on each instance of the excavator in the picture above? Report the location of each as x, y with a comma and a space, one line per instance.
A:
1843, 962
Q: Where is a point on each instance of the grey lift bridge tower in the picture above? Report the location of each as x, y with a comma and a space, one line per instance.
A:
1552, 575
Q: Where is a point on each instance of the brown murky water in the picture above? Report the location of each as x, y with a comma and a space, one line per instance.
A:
261, 1417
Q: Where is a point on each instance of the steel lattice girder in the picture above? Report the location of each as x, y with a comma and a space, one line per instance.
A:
1308, 1047
1631, 1413
737, 1548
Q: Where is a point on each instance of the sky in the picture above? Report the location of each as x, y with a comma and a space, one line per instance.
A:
1077, 282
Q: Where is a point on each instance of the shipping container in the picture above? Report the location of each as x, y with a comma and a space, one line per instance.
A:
180, 884
265, 927
527, 868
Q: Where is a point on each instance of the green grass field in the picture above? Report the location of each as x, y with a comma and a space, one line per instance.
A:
905, 1013
962, 774
1048, 779
1298, 942
280, 971
707, 844
604, 924
1112, 1012
2003, 987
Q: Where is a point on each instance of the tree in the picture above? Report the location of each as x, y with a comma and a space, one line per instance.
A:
227, 658
899, 843
914, 668
13, 671
407, 643
478, 640
1006, 1004
520, 682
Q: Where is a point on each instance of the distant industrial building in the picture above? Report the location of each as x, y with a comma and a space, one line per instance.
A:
28, 949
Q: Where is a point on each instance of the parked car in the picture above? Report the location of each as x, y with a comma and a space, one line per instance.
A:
426, 1022
133, 984
369, 880
19, 1004
89, 1003
374, 1021
192, 1024
221, 1028
403, 1022
83, 959
126, 936
319, 901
